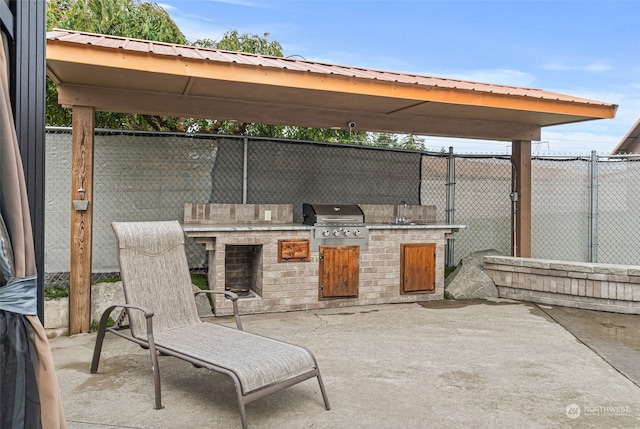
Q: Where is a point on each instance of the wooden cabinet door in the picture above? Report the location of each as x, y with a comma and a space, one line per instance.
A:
417, 267
339, 271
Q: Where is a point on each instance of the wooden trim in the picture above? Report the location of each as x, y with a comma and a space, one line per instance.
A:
521, 234
81, 220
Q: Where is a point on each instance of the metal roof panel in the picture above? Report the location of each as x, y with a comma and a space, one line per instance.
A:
304, 65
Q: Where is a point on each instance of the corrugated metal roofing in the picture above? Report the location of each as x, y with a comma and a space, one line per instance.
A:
159, 48
630, 143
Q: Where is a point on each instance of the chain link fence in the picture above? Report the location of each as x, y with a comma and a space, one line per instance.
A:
150, 176
618, 189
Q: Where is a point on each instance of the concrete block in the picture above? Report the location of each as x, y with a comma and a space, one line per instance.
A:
611, 269
577, 275
597, 289
540, 271
536, 264
104, 295
574, 287
613, 291
56, 317
582, 287
588, 288
503, 260
628, 292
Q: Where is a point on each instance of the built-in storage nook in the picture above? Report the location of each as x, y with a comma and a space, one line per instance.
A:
258, 247
243, 269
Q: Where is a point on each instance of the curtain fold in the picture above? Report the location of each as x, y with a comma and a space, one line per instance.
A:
29, 391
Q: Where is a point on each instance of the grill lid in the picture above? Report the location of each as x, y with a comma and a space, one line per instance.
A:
332, 214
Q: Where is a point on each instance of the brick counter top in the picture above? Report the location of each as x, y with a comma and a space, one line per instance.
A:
195, 228
417, 225
202, 228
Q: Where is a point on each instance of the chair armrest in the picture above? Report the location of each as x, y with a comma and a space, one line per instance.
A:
102, 329
234, 300
148, 312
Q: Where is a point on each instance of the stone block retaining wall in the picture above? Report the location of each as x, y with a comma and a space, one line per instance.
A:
592, 286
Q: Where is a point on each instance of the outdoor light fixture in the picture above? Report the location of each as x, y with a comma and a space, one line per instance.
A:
81, 205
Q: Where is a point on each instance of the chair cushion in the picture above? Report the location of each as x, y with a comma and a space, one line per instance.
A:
155, 274
257, 361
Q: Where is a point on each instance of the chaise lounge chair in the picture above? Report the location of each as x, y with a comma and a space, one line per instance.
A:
163, 317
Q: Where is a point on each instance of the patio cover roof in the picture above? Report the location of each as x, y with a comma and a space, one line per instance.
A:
127, 75
630, 143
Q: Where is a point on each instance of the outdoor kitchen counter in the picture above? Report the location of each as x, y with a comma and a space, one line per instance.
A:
252, 255
415, 225
194, 230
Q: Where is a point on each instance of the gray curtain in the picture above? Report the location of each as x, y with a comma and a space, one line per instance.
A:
29, 392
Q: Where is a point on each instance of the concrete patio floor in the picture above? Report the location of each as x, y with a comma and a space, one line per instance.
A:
447, 364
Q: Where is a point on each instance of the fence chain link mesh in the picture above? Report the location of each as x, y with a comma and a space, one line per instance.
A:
150, 176
619, 205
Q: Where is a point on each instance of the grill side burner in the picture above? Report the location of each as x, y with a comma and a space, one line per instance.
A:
336, 225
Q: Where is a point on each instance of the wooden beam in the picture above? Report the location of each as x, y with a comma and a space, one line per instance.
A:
521, 179
82, 140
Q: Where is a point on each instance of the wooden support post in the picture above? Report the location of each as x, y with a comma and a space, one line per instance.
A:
81, 219
521, 178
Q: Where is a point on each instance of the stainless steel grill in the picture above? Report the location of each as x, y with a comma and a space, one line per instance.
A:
336, 225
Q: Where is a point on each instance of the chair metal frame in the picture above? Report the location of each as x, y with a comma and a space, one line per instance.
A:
122, 330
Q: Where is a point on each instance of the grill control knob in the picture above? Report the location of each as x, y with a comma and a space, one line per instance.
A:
336, 232
325, 232
356, 232
347, 233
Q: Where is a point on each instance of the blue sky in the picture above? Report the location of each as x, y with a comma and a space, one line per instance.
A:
584, 48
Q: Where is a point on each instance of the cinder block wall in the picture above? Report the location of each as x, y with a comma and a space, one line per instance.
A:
603, 287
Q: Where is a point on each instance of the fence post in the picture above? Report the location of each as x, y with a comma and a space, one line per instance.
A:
245, 174
451, 183
593, 208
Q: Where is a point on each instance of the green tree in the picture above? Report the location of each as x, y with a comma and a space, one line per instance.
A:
249, 43
413, 142
125, 18
394, 141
